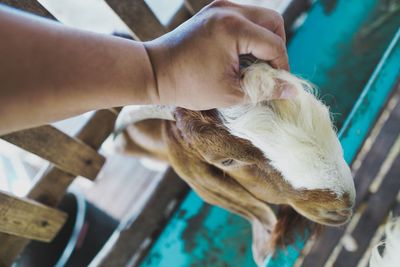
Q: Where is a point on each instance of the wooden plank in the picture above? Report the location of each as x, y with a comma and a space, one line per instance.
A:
67, 153
378, 207
51, 187
326, 242
180, 16
98, 128
31, 6
29, 219
292, 12
136, 240
389, 133
139, 18
195, 6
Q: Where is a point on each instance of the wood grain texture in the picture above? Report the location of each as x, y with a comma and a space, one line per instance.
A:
194, 6
29, 219
139, 18
53, 184
326, 242
49, 190
292, 12
98, 128
180, 16
67, 153
31, 6
378, 207
149, 223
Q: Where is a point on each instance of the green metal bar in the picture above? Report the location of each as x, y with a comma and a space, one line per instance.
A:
371, 100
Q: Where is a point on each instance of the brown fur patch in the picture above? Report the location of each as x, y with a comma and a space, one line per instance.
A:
290, 224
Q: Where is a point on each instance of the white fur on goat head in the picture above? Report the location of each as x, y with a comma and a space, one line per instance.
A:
296, 135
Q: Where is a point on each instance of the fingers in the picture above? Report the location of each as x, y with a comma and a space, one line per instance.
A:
263, 44
266, 18
259, 31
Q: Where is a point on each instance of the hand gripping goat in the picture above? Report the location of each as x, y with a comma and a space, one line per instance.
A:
282, 152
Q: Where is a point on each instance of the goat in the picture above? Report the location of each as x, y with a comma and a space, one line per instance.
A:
282, 152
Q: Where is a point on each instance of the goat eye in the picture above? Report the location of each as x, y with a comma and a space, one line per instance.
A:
227, 162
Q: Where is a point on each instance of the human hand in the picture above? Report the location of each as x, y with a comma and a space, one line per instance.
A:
196, 66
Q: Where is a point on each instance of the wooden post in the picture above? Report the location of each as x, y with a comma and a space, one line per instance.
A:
31, 6
139, 18
194, 6
180, 16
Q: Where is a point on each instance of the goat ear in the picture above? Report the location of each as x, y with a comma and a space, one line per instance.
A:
191, 123
290, 224
261, 245
286, 90
184, 114
188, 116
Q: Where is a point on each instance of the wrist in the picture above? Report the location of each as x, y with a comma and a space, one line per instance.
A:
132, 78
150, 78
161, 66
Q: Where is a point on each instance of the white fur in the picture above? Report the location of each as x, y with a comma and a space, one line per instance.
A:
391, 255
296, 135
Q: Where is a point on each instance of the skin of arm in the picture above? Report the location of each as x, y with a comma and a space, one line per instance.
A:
50, 72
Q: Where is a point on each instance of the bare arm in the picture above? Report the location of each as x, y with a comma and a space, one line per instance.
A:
49, 71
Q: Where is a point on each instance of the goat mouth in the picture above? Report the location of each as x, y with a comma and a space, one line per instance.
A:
334, 220
330, 219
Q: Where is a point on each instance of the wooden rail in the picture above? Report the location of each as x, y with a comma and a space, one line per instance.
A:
30, 6
67, 153
29, 219
194, 6
139, 18
180, 16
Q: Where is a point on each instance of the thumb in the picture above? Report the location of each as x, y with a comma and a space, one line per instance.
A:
263, 44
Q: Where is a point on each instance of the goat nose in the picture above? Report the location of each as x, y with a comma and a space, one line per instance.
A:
348, 200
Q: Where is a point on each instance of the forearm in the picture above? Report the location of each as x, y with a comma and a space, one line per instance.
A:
50, 72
